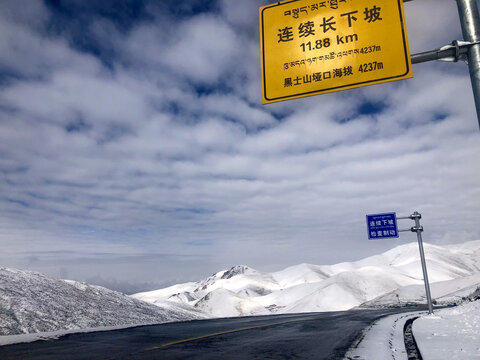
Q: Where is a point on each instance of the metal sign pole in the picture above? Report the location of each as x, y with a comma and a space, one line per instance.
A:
416, 216
418, 229
470, 21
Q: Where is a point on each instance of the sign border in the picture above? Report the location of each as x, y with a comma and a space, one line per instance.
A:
335, 88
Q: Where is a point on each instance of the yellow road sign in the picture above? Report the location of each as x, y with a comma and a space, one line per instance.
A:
311, 47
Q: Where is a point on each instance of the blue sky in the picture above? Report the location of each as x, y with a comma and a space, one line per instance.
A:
135, 152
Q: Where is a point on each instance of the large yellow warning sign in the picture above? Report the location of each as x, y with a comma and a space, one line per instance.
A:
310, 47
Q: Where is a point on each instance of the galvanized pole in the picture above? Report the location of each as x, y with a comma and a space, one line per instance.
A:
418, 229
470, 21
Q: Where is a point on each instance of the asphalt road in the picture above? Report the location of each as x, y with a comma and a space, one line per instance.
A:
291, 336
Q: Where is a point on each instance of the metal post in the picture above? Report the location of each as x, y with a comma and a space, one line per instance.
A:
418, 229
470, 21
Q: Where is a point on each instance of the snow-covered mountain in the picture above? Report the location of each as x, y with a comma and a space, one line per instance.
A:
241, 290
31, 302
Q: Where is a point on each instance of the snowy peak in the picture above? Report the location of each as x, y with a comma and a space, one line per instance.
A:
242, 290
237, 270
228, 274
236, 279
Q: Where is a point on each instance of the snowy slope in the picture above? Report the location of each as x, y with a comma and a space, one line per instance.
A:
31, 302
443, 292
227, 293
224, 303
306, 288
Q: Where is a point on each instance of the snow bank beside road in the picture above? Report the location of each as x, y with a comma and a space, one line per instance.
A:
450, 333
382, 340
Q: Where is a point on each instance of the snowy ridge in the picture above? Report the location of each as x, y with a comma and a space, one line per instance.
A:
31, 302
242, 291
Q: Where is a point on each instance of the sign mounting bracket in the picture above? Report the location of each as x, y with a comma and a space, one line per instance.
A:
455, 51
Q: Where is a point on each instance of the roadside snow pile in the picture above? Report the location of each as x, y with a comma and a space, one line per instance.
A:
242, 291
31, 302
450, 333
383, 339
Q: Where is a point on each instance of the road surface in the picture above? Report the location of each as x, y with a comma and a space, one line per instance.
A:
289, 336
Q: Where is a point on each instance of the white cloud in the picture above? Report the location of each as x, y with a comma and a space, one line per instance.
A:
203, 49
25, 52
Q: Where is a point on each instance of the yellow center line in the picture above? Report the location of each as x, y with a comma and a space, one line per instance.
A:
220, 333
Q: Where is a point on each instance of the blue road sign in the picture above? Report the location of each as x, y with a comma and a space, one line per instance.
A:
382, 226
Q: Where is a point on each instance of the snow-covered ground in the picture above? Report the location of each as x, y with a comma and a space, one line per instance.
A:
394, 277
450, 333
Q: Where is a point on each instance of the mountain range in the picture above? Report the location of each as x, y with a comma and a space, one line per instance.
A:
373, 281
33, 303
